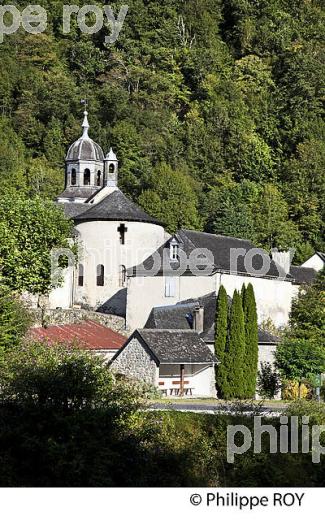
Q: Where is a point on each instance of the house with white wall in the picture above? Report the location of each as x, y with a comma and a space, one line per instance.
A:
178, 362
173, 274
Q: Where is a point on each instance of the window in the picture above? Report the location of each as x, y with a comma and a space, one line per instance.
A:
111, 168
122, 276
99, 176
87, 177
73, 177
174, 250
170, 287
100, 276
81, 276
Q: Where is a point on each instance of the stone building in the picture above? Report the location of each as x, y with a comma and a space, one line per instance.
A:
178, 362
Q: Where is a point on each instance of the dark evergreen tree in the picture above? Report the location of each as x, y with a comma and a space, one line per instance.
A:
221, 326
251, 338
234, 358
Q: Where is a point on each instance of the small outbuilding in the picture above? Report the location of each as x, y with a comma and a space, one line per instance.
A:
88, 335
178, 362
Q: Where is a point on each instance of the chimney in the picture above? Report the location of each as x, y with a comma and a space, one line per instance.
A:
198, 319
283, 259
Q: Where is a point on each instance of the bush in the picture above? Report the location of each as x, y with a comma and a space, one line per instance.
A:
42, 375
290, 390
268, 382
14, 318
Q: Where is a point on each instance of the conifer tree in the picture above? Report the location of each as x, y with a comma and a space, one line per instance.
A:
221, 326
234, 358
251, 338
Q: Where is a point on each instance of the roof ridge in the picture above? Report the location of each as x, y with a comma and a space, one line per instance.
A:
216, 235
172, 331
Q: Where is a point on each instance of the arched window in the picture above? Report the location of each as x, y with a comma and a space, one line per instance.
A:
73, 177
81, 276
100, 275
111, 168
122, 276
99, 177
87, 177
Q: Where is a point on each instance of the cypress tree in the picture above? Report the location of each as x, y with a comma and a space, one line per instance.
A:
243, 293
251, 334
221, 325
234, 358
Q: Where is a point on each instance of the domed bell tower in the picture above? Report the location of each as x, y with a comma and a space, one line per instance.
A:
84, 168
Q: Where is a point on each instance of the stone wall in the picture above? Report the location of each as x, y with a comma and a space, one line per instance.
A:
47, 317
135, 362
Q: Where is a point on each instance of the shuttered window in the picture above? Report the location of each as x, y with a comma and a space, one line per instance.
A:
170, 287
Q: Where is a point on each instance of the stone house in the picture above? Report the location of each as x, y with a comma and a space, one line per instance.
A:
199, 315
178, 362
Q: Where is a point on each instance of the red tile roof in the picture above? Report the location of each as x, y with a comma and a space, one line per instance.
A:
87, 334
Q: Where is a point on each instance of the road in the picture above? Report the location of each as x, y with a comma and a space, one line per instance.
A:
269, 409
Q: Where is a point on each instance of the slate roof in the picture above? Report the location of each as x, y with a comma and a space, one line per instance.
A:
85, 149
221, 249
266, 338
89, 335
116, 206
180, 316
72, 209
175, 346
83, 192
302, 275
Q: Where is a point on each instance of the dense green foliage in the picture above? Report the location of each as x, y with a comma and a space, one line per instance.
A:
307, 317
65, 420
300, 359
225, 98
29, 231
14, 319
301, 354
251, 338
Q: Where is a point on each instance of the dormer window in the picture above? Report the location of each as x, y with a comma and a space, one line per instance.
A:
174, 250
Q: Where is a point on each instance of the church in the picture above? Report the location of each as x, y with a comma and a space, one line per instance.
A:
129, 266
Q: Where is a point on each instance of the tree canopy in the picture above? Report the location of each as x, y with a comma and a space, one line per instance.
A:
210, 94
29, 230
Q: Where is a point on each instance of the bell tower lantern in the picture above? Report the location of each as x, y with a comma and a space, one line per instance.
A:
111, 169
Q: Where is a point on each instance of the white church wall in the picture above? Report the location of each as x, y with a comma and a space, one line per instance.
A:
101, 245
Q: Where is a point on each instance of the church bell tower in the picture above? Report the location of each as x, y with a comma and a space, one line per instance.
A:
111, 169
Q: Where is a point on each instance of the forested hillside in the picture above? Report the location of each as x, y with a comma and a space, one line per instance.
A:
215, 109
